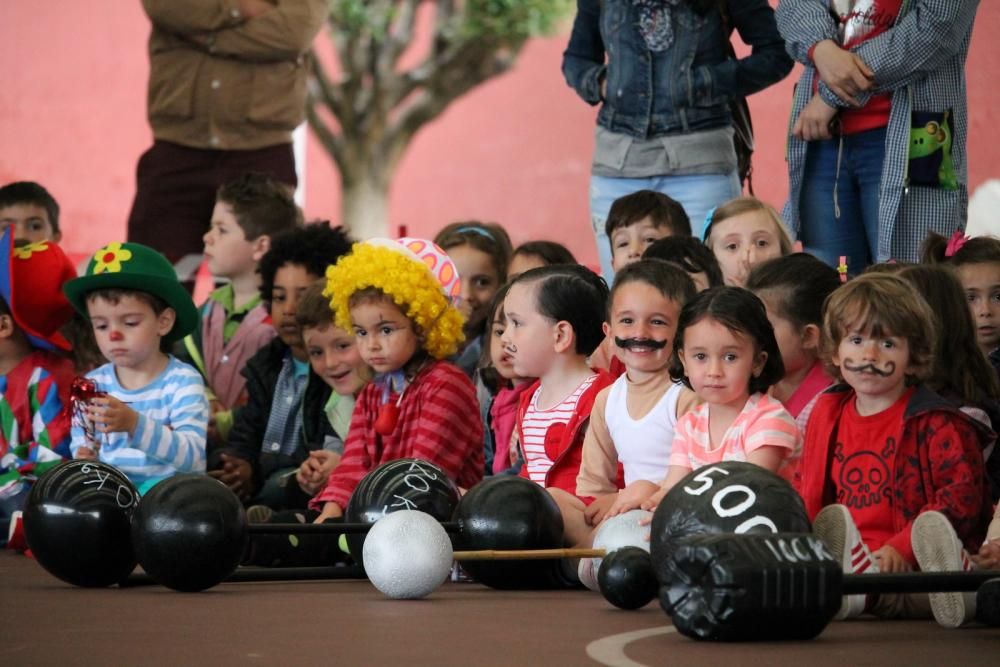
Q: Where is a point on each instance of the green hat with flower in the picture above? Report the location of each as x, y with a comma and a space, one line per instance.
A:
136, 267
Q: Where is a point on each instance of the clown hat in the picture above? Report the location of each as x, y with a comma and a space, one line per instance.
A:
136, 267
31, 282
412, 272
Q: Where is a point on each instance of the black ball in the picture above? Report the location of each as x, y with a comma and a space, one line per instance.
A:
728, 497
189, 532
507, 512
76, 522
403, 484
626, 578
988, 603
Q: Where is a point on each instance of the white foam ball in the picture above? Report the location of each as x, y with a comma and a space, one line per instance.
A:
622, 530
407, 554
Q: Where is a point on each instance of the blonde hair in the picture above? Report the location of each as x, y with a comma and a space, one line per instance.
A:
404, 280
886, 305
741, 205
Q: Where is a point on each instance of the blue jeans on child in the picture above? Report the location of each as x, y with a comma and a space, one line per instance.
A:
697, 193
853, 193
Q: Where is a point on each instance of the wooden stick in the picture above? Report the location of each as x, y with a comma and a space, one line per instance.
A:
529, 554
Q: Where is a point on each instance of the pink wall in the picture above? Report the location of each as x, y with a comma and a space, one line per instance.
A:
516, 150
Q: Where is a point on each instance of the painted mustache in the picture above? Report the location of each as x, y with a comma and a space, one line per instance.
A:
890, 368
629, 343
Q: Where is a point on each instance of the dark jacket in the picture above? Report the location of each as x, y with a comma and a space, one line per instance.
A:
686, 87
937, 465
250, 423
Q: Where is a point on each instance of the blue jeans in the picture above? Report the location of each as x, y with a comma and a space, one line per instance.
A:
854, 233
698, 194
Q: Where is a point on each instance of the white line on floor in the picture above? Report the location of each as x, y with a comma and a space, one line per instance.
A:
610, 650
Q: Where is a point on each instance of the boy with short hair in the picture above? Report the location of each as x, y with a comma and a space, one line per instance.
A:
635, 221
335, 358
249, 212
283, 419
631, 428
31, 211
151, 424
35, 377
891, 473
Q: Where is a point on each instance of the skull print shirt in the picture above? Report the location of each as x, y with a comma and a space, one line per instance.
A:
863, 465
936, 464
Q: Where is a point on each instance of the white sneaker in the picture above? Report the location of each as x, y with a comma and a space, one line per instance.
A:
836, 528
587, 573
938, 549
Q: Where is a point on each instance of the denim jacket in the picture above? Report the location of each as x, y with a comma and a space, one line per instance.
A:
682, 89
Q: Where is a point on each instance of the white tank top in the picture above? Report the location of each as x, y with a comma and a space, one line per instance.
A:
643, 444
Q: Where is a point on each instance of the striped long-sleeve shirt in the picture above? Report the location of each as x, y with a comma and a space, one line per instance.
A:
170, 434
920, 61
438, 422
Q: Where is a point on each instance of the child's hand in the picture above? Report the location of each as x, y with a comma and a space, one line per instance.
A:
890, 560
86, 453
632, 497
315, 470
109, 415
595, 511
651, 503
988, 557
235, 473
330, 511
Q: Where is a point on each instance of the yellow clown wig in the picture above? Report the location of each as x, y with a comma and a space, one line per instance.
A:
415, 274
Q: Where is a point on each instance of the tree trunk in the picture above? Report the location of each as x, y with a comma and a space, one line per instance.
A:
365, 205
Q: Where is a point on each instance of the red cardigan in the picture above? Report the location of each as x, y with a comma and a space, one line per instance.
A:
564, 442
938, 465
438, 422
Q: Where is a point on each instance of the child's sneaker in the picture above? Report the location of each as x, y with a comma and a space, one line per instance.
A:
938, 549
259, 514
587, 573
836, 528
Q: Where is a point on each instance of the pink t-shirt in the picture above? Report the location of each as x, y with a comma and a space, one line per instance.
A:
763, 421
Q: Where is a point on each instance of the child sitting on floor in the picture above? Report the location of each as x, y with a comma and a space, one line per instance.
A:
35, 374
283, 418
418, 405
480, 252
535, 254
152, 423
504, 388
742, 233
335, 358
554, 317
632, 423
726, 352
248, 213
793, 289
891, 473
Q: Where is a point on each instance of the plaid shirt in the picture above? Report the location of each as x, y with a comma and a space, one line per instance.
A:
921, 61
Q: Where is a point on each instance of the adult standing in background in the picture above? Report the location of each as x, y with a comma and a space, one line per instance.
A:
876, 156
227, 85
664, 92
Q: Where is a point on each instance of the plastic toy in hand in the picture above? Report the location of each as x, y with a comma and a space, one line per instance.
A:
81, 392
